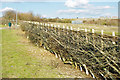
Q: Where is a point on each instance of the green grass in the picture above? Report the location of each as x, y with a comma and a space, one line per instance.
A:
107, 30
21, 59
17, 61
3, 26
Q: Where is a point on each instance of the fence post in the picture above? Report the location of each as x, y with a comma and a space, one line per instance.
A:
78, 29
113, 34
93, 31
45, 24
102, 39
58, 30
71, 28
78, 37
48, 27
78, 32
86, 34
93, 35
68, 37
41, 25
55, 28
67, 29
51, 26
63, 29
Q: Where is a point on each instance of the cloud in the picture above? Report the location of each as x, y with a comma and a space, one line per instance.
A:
107, 14
73, 11
6, 9
106, 7
100, 7
97, 10
9, 0
82, 7
32, 0
44, 16
79, 11
83, 4
58, 0
76, 3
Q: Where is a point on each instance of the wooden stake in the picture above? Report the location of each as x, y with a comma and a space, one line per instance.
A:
92, 74
113, 34
71, 29
63, 29
67, 29
93, 31
78, 29
101, 39
55, 28
80, 68
58, 26
86, 34
56, 55
93, 35
102, 32
86, 69
85, 30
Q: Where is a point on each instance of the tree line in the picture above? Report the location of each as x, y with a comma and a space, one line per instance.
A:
10, 16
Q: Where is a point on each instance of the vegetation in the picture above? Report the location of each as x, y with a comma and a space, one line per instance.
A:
107, 29
97, 54
21, 59
11, 16
29, 16
107, 22
18, 62
97, 24
3, 26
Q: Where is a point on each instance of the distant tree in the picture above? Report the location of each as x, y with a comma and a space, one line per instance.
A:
9, 15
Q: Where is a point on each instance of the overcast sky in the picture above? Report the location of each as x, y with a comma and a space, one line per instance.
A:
63, 8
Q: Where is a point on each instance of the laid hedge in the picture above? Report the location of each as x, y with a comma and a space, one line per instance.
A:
95, 54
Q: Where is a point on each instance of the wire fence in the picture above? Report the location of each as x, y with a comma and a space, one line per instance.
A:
96, 54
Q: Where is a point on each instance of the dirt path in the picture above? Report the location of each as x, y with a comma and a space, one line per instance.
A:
3, 28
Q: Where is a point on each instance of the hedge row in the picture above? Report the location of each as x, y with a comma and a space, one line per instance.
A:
95, 54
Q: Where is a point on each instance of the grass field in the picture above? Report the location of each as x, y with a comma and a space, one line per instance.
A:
21, 59
107, 29
3, 26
